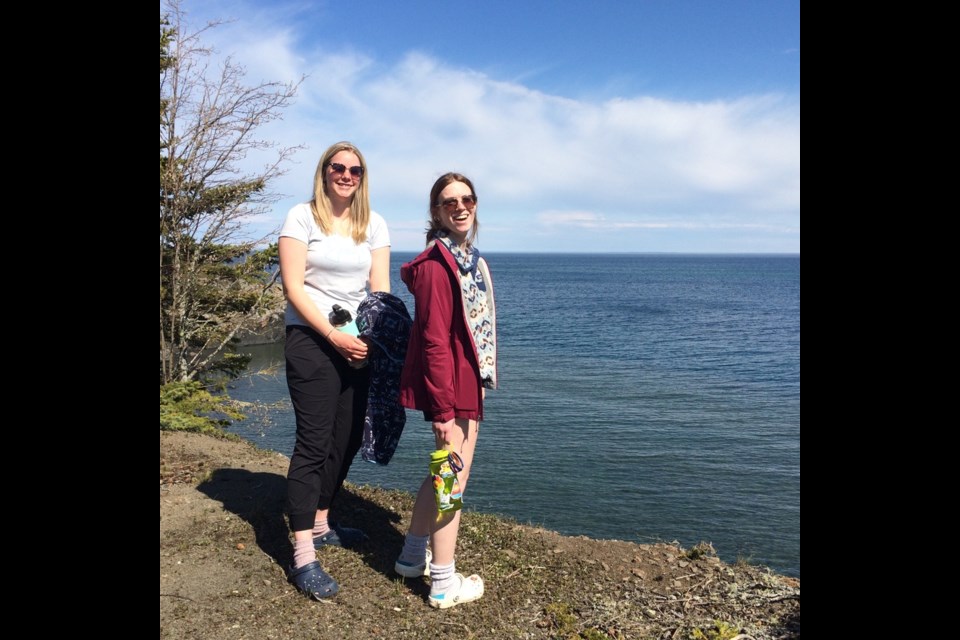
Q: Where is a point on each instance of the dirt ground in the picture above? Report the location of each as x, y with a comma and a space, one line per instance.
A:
224, 545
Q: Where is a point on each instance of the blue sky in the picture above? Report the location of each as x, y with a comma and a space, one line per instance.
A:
648, 126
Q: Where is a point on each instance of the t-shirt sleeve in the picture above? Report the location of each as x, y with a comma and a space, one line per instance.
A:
297, 224
378, 236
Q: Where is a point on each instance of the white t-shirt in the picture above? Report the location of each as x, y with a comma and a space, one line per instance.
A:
338, 270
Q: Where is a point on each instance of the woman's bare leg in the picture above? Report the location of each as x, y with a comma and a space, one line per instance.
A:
463, 440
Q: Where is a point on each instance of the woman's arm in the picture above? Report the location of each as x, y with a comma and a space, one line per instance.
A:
380, 270
433, 293
293, 269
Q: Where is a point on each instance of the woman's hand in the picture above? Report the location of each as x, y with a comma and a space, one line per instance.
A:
350, 347
442, 431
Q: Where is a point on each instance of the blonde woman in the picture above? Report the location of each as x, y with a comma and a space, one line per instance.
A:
332, 249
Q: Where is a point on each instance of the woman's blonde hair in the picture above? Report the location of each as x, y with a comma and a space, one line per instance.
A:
359, 206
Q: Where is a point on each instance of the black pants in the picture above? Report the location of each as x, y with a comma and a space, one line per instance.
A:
330, 401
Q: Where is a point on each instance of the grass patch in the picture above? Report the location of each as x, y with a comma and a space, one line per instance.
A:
719, 631
701, 550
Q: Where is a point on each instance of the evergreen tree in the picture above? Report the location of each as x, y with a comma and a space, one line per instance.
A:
216, 282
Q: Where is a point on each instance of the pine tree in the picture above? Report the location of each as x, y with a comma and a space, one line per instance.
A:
216, 282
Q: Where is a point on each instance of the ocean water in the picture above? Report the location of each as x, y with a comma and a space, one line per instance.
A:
642, 397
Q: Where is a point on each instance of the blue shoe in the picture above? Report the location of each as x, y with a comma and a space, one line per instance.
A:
340, 537
313, 581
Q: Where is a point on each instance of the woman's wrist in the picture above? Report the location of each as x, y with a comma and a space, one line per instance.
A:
329, 333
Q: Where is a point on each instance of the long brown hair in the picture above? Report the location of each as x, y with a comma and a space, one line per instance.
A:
359, 206
434, 208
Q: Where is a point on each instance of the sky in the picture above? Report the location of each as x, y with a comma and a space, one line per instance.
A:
602, 126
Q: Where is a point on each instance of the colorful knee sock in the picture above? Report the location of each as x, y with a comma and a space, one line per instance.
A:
303, 553
442, 578
414, 549
320, 527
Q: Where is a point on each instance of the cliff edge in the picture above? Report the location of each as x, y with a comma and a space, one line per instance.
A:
224, 545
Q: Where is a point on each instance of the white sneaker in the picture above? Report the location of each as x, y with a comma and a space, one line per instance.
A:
470, 589
414, 570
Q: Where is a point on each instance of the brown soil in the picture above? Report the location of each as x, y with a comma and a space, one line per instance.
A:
224, 543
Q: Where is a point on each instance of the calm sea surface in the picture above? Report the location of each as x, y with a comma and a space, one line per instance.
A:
642, 397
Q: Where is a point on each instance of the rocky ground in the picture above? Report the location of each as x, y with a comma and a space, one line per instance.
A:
224, 544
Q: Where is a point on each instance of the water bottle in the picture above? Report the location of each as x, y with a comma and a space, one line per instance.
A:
444, 466
342, 320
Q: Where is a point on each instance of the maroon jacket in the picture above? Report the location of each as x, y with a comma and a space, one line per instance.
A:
441, 375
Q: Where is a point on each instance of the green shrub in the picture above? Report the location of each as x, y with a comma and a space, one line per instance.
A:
720, 631
188, 406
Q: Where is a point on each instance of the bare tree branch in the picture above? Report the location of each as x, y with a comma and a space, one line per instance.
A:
216, 282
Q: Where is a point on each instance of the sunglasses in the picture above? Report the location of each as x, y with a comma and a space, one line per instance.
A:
450, 204
355, 171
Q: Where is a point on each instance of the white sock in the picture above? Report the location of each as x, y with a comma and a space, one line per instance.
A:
442, 578
414, 549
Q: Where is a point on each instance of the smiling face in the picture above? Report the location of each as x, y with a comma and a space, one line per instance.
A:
456, 210
342, 184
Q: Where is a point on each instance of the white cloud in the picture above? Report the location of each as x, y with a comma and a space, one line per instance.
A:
586, 219
540, 162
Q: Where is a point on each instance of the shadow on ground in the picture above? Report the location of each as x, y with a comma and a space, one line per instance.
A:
259, 498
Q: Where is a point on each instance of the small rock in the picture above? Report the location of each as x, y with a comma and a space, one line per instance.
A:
605, 566
650, 613
241, 546
683, 563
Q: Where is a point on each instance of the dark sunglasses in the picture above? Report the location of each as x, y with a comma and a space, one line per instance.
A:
450, 204
355, 171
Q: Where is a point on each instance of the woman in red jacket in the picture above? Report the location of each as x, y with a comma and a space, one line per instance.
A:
451, 360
